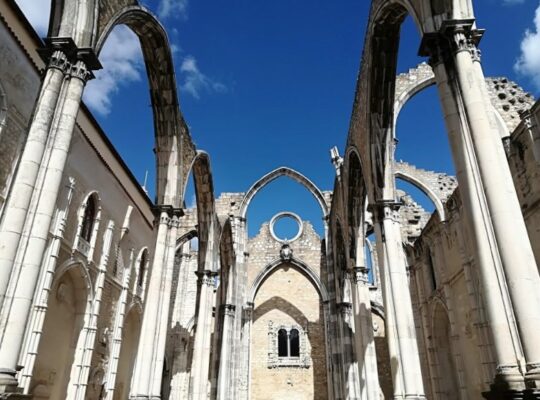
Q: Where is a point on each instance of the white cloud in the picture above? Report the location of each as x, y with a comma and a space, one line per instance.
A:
172, 8
122, 62
37, 12
528, 63
195, 82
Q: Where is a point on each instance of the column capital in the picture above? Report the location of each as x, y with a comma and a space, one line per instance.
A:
385, 209
206, 277
228, 309
63, 54
171, 211
248, 310
454, 36
360, 275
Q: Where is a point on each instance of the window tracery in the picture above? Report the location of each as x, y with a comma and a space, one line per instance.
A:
287, 346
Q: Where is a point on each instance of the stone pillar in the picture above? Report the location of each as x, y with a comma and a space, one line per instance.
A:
245, 353
490, 202
31, 205
364, 340
351, 382
147, 376
203, 332
38, 139
39, 310
87, 338
118, 329
401, 332
225, 372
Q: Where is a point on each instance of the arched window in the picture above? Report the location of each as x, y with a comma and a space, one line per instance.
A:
88, 218
287, 346
282, 343
294, 341
142, 267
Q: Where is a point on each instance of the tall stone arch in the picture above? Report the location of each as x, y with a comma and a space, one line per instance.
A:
273, 175
171, 132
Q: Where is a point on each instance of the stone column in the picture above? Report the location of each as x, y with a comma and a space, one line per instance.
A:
401, 332
118, 329
38, 139
245, 353
87, 338
490, 203
39, 310
146, 382
366, 355
24, 255
350, 378
224, 374
203, 332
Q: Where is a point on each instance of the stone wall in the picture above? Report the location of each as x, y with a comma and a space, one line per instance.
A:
287, 297
523, 151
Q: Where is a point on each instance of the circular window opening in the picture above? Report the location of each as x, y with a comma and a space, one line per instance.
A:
286, 227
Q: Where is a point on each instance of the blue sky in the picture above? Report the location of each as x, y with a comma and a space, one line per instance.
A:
270, 83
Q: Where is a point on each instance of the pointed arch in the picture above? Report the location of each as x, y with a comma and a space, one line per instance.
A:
300, 265
227, 264
207, 223
171, 132
273, 175
425, 189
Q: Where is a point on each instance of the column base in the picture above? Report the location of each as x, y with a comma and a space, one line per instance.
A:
9, 386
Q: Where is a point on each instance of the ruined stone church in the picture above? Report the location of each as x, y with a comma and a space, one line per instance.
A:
103, 294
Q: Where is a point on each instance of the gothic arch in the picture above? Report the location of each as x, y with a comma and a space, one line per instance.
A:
424, 188
170, 127
207, 223
446, 381
421, 77
227, 268
376, 86
356, 201
302, 267
186, 237
273, 175
78, 265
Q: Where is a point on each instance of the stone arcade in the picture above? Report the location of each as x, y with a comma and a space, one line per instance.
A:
103, 295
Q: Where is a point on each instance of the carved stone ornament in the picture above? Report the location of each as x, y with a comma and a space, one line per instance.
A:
286, 253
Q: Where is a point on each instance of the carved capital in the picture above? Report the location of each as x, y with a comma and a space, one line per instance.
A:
360, 275
206, 277
228, 310
81, 71
453, 37
386, 209
248, 311
59, 60
62, 53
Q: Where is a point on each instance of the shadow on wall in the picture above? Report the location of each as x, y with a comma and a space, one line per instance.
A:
318, 357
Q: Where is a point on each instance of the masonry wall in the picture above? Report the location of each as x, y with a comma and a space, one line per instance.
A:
286, 297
